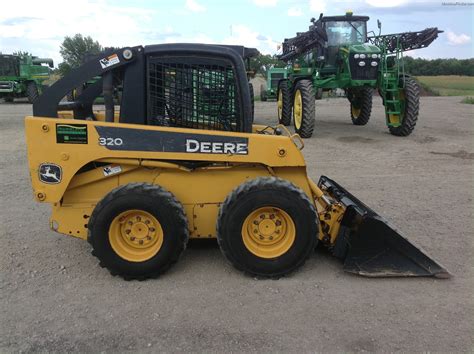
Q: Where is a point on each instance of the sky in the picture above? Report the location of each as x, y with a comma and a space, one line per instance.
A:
40, 26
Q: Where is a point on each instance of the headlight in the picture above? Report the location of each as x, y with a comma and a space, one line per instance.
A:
374, 56
362, 63
362, 56
356, 56
374, 63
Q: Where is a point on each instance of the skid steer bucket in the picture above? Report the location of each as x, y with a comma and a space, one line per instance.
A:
369, 246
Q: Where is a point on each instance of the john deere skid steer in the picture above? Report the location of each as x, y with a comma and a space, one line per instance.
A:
180, 159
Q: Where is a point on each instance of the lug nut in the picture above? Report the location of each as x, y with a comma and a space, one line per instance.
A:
127, 231
152, 229
132, 238
147, 222
271, 237
272, 216
278, 223
262, 216
261, 237
148, 238
255, 222
139, 218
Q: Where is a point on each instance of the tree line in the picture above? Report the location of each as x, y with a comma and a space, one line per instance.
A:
433, 67
75, 50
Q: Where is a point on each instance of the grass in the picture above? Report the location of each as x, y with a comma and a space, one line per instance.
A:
448, 85
468, 100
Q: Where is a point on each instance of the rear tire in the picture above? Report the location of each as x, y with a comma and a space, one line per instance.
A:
361, 105
267, 227
319, 94
32, 92
304, 108
411, 94
252, 100
284, 103
263, 93
138, 231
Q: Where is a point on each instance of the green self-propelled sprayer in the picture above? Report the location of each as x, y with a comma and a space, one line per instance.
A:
336, 52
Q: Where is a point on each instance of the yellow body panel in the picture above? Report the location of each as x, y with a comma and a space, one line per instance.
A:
267, 150
201, 190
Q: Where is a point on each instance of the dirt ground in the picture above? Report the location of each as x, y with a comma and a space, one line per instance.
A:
55, 297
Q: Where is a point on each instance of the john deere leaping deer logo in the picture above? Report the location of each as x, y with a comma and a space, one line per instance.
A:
50, 173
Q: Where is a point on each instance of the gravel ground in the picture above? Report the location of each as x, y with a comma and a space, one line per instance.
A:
55, 297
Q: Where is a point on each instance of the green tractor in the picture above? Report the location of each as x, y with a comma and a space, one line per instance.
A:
337, 52
274, 76
23, 76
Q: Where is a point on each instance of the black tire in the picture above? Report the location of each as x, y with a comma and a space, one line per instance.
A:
361, 105
305, 87
412, 108
274, 193
252, 100
32, 92
263, 93
319, 94
285, 116
154, 200
8, 99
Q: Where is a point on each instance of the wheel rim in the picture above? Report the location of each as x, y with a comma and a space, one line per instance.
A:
135, 235
268, 232
298, 109
355, 111
280, 104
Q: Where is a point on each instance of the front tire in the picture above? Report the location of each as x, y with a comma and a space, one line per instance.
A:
138, 231
267, 227
32, 92
304, 108
284, 103
410, 99
361, 105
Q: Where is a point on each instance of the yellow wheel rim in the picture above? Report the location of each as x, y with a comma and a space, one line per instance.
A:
280, 104
268, 232
355, 111
135, 235
298, 109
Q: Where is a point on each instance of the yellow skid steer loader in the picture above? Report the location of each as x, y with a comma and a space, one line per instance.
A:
179, 158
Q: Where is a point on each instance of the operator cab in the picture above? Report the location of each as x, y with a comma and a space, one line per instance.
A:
196, 86
9, 65
343, 31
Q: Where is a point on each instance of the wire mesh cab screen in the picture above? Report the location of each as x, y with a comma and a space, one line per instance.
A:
193, 92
